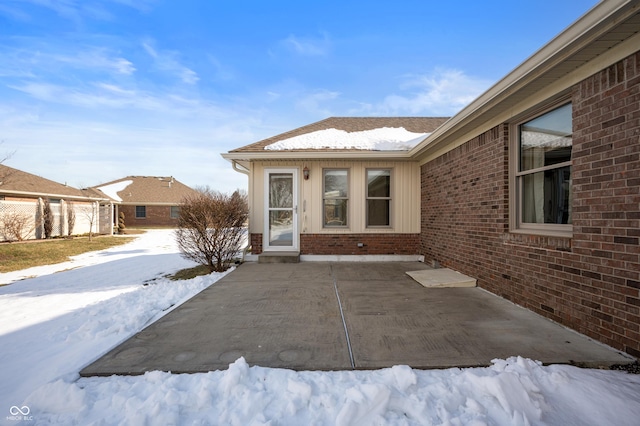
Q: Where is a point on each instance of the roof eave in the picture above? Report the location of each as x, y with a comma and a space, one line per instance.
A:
52, 195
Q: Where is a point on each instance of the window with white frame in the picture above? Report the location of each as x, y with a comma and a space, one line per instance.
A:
543, 173
335, 199
378, 197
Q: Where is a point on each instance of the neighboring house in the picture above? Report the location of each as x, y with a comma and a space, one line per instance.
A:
22, 199
533, 188
148, 201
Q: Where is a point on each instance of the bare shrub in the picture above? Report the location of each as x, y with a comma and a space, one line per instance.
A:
211, 227
16, 226
47, 219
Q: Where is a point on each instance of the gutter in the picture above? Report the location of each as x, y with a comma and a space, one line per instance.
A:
48, 195
311, 155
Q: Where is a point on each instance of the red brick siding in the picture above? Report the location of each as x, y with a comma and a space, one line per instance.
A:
347, 244
404, 244
256, 243
590, 282
156, 216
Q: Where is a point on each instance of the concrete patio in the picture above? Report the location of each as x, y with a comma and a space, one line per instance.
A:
339, 316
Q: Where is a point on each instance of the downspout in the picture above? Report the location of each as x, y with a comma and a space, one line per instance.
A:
239, 168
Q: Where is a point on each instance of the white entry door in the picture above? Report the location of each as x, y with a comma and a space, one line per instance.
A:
281, 210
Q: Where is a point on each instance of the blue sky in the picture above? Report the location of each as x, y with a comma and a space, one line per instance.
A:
96, 90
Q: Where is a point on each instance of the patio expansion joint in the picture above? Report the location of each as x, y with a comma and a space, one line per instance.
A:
344, 322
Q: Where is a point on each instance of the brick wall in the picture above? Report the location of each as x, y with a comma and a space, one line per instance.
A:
347, 244
156, 216
590, 282
256, 243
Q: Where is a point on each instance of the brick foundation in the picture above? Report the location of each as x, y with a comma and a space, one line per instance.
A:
347, 244
590, 282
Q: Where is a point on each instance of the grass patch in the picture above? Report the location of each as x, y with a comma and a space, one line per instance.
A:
187, 274
22, 255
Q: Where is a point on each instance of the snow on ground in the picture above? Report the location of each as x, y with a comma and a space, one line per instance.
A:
382, 139
56, 323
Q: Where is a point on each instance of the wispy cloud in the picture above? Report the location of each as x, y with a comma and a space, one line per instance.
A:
317, 102
442, 92
308, 46
168, 61
100, 95
37, 58
72, 10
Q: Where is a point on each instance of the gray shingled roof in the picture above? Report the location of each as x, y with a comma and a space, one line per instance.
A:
351, 124
150, 190
20, 182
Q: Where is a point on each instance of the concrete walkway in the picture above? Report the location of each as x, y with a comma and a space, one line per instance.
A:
337, 316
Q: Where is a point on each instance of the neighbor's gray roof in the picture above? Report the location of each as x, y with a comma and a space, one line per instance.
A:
350, 124
18, 182
150, 190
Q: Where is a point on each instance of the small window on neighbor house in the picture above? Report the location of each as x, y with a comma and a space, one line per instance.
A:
141, 212
378, 202
543, 176
175, 212
335, 199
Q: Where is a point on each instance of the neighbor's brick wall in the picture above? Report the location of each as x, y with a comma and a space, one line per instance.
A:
156, 216
347, 244
590, 282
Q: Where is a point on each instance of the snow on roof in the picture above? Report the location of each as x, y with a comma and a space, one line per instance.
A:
381, 139
112, 190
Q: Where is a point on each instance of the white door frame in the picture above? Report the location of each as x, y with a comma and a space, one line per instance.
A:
266, 244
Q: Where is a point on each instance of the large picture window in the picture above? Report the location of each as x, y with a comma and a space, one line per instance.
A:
543, 176
378, 197
335, 200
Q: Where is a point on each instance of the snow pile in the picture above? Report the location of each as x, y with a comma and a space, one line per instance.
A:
53, 325
513, 392
382, 139
112, 190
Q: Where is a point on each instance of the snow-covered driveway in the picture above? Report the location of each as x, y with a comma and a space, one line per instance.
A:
55, 323
68, 314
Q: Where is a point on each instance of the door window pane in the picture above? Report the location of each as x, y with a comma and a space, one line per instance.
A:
281, 190
281, 228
